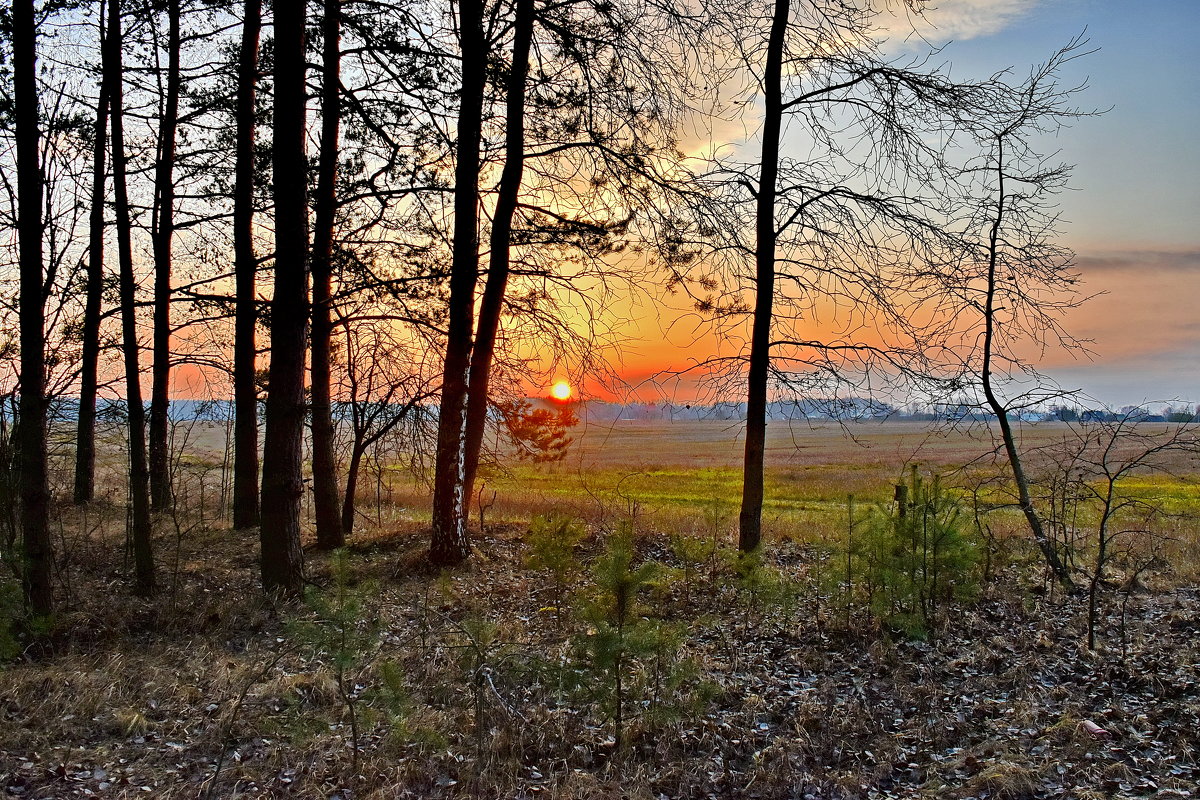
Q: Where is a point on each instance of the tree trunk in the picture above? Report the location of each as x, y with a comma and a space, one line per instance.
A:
85, 436
1049, 553
139, 478
750, 517
282, 486
449, 544
164, 231
498, 267
351, 488
245, 390
31, 429
325, 490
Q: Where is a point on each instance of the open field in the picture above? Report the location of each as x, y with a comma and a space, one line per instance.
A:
686, 475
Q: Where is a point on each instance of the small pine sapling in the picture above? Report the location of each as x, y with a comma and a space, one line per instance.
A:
552, 543
909, 557
341, 631
633, 660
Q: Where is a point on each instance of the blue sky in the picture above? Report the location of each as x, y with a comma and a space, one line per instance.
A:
1137, 172
1134, 210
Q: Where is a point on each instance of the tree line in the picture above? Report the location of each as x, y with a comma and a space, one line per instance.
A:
414, 202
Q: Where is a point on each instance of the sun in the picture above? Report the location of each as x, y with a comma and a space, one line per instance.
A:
561, 390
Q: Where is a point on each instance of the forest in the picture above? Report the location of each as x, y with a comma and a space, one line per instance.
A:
301, 495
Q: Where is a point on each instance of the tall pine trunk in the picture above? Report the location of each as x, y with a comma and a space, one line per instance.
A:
750, 517
498, 267
139, 478
282, 484
245, 390
31, 428
164, 231
330, 533
449, 543
85, 433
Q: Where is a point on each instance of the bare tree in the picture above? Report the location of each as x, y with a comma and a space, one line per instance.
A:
163, 231
449, 544
750, 516
282, 483
840, 221
383, 394
31, 428
85, 436
1097, 458
507, 197
1027, 278
553, 235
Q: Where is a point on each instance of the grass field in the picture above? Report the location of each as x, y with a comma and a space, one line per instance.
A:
686, 476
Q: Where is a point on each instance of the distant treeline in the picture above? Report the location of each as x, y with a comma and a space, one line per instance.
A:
855, 409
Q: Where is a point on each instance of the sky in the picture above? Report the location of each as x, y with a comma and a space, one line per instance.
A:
1133, 211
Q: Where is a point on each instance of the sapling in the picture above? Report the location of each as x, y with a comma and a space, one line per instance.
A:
612, 615
341, 631
693, 554
552, 542
910, 556
628, 654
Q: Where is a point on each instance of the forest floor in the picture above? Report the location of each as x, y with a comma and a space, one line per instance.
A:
496, 681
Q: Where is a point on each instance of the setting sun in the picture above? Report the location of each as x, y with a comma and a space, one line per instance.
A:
561, 390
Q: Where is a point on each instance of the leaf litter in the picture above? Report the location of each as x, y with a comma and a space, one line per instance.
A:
210, 696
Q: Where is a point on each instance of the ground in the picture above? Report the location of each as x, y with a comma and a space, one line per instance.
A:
498, 680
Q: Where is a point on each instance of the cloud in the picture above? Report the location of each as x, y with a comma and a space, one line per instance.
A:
963, 19
1144, 328
1162, 263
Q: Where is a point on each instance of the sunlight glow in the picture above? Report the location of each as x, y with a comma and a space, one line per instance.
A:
561, 390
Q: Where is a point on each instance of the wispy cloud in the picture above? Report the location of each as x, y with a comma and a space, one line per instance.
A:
964, 19
1143, 328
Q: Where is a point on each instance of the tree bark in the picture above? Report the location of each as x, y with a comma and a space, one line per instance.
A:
139, 479
998, 408
282, 486
449, 543
325, 490
498, 267
750, 517
164, 231
245, 390
348, 500
31, 428
85, 435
